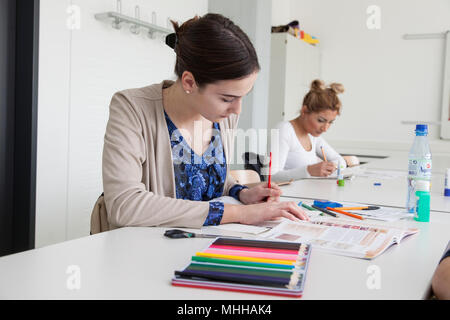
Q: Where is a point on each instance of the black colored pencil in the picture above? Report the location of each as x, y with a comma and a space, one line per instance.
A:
258, 244
325, 211
235, 278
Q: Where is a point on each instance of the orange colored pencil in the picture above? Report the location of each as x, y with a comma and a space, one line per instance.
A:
346, 213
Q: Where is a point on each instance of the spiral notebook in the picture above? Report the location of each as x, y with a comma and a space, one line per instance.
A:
248, 265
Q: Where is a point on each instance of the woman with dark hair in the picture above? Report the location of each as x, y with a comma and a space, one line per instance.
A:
167, 145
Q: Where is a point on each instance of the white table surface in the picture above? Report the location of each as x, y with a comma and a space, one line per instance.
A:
138, 263
399, 161
391, 193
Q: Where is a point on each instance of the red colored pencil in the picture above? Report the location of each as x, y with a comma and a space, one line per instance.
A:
270, 169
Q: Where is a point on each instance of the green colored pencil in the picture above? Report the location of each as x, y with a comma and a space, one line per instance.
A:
241, 263
308, 207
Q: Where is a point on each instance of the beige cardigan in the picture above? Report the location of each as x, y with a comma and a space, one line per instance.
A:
138, 173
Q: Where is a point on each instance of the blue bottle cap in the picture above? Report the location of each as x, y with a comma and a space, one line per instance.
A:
422, 129
447, 192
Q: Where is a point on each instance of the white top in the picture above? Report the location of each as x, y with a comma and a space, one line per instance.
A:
290, 159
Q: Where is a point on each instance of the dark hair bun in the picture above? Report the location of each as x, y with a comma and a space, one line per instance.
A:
212, 48
171, 40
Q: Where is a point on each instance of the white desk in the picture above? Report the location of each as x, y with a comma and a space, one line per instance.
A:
138, 263
392, 192
399, 161
362, 190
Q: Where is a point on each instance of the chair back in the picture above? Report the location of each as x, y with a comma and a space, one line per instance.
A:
245, 177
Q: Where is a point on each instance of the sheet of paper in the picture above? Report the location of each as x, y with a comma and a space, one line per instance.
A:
381, 174
348, 173
234, 227
381, 214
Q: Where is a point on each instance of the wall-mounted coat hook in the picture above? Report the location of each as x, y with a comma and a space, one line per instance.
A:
116, 24
151, 34
136, 23
135, 27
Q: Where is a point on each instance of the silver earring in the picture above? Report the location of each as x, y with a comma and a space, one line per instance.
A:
188, 92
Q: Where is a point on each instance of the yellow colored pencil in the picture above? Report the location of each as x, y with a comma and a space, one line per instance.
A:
225, 256
323, 153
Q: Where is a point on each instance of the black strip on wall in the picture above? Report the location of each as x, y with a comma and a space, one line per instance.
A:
25, 122
7, 70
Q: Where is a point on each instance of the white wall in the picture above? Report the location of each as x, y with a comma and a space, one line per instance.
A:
79, 72
387, 79
281, 12
254, 18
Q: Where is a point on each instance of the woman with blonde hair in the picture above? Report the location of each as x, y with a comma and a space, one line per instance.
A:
300, 150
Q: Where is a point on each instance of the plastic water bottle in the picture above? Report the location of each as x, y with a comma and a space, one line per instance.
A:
419, 165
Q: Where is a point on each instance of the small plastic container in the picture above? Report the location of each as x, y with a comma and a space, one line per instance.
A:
422, 213
340, 176
447, 183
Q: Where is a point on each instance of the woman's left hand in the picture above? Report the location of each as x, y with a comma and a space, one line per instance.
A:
260, 193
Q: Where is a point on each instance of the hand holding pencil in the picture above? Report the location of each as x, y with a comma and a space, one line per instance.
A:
260, 193
322, 169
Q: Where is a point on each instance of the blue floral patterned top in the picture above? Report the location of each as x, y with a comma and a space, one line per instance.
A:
201, 178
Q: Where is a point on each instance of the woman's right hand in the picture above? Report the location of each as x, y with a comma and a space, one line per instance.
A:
257, 213
321, 169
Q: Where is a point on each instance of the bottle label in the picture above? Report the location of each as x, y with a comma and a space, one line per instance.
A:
416, 211
419, 168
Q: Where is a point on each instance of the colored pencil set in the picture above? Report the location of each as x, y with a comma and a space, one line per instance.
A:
245, 265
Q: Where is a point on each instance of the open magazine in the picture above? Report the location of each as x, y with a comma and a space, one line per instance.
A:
344, 238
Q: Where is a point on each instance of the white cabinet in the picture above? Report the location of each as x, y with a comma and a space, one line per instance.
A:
294, 64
